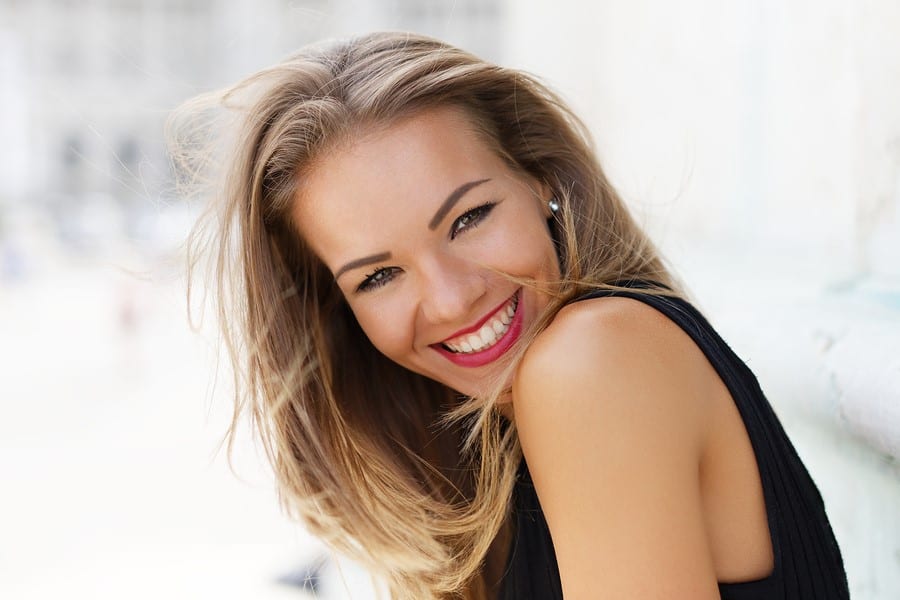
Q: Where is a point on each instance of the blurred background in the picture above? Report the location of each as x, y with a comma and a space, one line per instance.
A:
757, 140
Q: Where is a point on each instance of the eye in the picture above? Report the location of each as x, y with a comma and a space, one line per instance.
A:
377, 279
471, 219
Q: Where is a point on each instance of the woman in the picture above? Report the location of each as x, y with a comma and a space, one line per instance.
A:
470, 369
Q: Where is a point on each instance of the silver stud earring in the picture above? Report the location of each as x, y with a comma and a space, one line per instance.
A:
553, 205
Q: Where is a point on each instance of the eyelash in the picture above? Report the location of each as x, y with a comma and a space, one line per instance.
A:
470, 219
376, 279
476, 216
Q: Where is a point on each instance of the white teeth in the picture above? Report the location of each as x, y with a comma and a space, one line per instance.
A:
489, 333
488, 336
475, 342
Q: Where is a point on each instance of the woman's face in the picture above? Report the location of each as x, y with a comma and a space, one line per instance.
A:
417, 221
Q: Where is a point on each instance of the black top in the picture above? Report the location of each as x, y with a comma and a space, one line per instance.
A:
808, 562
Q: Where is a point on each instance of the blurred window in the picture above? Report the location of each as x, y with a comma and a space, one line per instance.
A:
72, 152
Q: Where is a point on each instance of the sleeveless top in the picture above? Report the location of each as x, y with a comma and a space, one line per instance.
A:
808, 563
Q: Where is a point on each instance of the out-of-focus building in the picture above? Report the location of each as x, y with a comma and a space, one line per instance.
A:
86, 86
105, 382
93, 81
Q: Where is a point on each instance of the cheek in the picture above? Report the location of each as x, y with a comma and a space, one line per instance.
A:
387, 325
524, 249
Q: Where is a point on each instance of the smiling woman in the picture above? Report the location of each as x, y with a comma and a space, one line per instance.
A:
434, 285
470, 369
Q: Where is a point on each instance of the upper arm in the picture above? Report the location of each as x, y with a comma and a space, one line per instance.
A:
609, 405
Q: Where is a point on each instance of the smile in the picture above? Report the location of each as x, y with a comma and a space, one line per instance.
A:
488, 339
489, 334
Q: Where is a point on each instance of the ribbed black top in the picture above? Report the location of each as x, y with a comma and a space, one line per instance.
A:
808, 563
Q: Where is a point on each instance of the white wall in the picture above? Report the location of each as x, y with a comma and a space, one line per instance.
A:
759, 141
765, 122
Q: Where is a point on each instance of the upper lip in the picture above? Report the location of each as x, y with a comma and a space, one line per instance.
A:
480, 322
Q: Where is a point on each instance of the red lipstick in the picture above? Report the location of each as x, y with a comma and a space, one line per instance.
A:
488, 355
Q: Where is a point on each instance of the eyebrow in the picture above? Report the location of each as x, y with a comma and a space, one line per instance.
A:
448, 204
454, 197
361, 262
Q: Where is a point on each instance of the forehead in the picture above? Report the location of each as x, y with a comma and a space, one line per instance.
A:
369, 190
427, 145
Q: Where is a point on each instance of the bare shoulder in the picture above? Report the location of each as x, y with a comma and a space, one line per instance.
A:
611, 404
616, 344
599, 321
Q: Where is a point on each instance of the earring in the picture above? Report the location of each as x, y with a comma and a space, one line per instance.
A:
553, 205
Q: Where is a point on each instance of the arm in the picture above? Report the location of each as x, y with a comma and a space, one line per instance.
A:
611, 407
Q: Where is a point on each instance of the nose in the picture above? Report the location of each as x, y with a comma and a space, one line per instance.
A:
449, 289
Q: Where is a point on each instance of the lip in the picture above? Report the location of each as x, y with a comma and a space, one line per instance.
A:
483, 357
483, 320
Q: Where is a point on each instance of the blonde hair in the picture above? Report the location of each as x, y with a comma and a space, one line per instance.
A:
362, 448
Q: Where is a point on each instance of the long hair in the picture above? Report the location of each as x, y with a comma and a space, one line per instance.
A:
362, 449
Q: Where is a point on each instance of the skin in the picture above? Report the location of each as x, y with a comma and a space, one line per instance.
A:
438, 264
641, 462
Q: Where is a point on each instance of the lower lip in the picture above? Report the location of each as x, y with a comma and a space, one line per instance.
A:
478, 359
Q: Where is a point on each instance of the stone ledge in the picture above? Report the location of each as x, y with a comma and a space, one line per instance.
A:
820, 351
